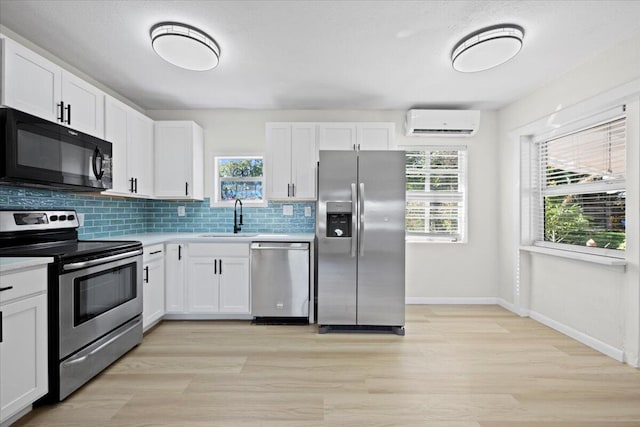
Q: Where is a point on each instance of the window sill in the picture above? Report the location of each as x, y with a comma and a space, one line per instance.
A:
594, 259
418, 239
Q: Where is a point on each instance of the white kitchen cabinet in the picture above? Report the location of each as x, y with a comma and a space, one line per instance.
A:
131, 134
179, 160
337, 136
218, 278
37, 86
356, 136
175, 276
153, 285
23, 347
291, 161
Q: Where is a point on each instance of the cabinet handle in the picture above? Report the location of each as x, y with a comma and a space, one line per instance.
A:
131, 187
358, 147
293, 190
146, 274
186, 188
68, 114
354, 147
154, 252
215, 266
6, 288
135, 185
179, 252
61, 111
288, 190
220, 261
0, 326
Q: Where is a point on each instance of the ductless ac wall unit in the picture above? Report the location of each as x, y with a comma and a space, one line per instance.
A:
458, 123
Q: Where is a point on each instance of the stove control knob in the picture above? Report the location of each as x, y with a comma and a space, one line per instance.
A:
53, 218
71, 217
62, 218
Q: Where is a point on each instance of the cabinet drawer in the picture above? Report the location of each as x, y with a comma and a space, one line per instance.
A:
153, 252
219, 249
23, 283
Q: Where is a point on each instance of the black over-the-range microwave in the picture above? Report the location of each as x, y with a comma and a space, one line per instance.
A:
40, 153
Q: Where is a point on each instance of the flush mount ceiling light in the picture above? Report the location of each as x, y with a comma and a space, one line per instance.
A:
184, 46
487, 48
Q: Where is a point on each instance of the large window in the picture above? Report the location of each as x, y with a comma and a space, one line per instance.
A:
238, 177
436, 193
581, 189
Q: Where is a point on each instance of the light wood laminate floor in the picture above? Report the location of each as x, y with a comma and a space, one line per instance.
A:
457, 366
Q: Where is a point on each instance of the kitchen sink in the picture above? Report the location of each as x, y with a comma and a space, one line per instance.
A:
229, 235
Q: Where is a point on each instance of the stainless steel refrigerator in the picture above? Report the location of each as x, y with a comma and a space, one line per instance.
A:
360, 231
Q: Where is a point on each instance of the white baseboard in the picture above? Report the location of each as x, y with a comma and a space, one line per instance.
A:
451, 300
585, 339
506, 305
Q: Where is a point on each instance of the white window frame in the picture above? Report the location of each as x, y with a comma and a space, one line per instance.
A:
532, 199
461, 196
215, 179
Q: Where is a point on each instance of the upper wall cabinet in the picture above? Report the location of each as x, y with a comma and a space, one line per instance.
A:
179, 157
37, 86
131, 134
355, 136
291, 161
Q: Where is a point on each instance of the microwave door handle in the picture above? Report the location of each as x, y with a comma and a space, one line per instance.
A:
98, 171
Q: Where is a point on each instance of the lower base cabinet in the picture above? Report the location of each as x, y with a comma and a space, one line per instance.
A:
153, 284
208, 279
23, 347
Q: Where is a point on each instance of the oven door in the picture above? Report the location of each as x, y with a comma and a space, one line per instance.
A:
94, 301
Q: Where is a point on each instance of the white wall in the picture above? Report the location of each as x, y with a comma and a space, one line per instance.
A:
597, 301
433, 270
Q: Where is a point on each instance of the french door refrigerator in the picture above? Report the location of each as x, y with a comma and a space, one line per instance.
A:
360, 232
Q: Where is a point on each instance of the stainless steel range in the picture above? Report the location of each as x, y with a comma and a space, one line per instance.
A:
94, 293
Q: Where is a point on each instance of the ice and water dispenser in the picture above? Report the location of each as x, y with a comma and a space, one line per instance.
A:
339, 219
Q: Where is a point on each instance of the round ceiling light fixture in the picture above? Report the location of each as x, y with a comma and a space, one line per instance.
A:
184, 46
487, 48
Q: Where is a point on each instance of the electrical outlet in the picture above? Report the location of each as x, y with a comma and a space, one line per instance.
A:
307, 211
287, 210
182, 211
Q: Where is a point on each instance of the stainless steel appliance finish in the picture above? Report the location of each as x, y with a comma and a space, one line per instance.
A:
96, 300
360, 230
280, 279
36, 152
94, 293
91, 360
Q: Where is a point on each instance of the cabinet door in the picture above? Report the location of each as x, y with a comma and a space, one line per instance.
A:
337, 136
234, 286
175, 278
115, 131
140, 152
173, 155
30, 83
278, 160
23, 354
202, 285
303, 161
84, 105
375, 136
153, 297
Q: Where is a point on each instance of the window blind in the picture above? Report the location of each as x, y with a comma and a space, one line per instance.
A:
581, 180
436, 193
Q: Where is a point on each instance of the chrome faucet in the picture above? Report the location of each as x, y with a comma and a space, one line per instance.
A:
237, 226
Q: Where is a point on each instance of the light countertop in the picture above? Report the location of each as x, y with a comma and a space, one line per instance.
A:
148, 239
10, 264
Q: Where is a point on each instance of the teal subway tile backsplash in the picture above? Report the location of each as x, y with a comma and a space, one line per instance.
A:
106, 216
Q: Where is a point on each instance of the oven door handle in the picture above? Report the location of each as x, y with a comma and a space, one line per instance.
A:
99, 348
84, 264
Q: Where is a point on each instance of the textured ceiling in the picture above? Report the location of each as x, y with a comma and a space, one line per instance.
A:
321, 54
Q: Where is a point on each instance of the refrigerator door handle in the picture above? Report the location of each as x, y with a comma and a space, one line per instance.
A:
354, 200
361, 215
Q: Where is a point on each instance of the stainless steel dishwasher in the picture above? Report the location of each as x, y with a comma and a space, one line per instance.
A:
280, 280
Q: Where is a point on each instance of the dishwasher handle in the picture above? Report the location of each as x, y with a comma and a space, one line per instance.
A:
280, 246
